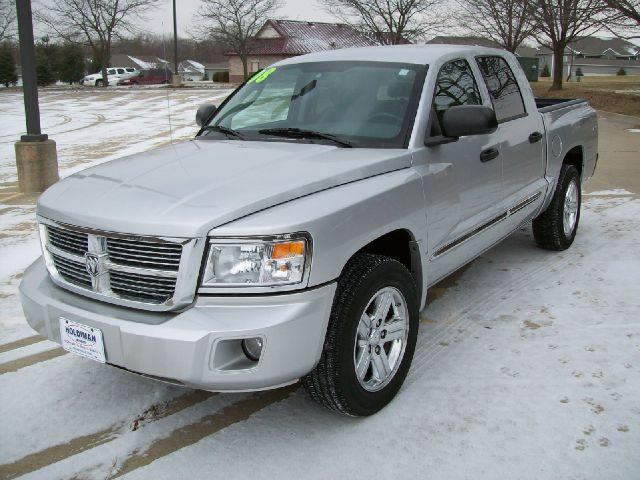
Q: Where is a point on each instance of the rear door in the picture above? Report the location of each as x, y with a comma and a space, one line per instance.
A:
519, 138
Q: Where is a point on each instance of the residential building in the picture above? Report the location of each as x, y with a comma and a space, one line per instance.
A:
280, 39
141, 62
191, 71
521, 51
596, 56
216, 68
527, 55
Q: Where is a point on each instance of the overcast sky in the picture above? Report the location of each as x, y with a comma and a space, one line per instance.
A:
161, 18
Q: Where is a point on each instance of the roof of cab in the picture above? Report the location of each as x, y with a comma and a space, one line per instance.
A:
417, 54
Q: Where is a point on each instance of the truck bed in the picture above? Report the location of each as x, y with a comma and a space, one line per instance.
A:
546, 105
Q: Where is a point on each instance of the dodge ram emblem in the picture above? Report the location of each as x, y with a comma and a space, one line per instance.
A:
92, 264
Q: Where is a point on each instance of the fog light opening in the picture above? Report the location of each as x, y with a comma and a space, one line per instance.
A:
252, 348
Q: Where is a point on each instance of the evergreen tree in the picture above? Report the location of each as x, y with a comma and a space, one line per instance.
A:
7, 66
545, 71
70, 63
46, 55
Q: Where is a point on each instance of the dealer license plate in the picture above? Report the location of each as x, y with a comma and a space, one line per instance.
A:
82, 340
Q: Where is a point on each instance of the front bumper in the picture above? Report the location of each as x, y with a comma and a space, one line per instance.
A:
200, 346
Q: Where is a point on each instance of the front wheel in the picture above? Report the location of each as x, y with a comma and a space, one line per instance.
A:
556, 227
370, 338
99, 83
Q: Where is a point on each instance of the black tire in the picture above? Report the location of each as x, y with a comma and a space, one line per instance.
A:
333, 382
99, 83
548, 227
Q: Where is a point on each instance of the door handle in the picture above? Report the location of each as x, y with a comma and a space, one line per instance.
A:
535, 137
489, 154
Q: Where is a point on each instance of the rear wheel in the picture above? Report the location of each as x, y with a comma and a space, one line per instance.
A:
370, 339
556, 227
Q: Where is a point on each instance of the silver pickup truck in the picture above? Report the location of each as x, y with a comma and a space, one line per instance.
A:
296, 235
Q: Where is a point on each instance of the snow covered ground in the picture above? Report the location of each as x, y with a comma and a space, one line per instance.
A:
89, 126
527, 365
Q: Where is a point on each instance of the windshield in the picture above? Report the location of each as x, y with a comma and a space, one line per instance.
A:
361, 104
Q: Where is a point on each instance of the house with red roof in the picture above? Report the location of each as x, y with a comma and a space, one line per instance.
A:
280, 39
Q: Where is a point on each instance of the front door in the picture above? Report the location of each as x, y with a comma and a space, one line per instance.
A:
462, 184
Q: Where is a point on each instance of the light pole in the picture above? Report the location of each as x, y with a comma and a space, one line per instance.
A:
36, 158
176, 77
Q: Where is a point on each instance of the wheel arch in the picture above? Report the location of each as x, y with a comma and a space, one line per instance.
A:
575, 157
401, 245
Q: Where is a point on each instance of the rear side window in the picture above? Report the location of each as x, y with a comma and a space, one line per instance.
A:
121, 71
111, 71
455, 86
503, 88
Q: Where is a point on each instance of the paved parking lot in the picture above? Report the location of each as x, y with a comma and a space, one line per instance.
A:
527, 364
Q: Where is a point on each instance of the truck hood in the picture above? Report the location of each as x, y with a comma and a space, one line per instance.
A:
186, 189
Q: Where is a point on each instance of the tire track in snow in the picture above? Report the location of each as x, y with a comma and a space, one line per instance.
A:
23, 342
203, 427
15, 365
460, 321
36, 461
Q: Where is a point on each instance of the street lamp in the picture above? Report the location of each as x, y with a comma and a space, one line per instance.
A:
36, 158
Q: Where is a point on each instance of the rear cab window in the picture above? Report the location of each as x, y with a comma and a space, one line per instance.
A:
503, 88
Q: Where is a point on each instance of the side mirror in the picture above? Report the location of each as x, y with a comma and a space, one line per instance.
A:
204, 113
465, 120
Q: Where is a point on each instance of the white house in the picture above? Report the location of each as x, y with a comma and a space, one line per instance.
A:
191, 71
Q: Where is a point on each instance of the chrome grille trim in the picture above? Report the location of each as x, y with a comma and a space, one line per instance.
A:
152, 273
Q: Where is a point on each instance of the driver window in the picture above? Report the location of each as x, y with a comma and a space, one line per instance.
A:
455, 86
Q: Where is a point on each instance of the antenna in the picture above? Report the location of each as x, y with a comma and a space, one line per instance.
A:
166, 69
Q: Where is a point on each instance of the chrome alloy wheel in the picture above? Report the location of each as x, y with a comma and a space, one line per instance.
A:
381, 339
570, 212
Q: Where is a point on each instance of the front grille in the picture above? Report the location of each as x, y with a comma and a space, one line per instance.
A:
139, 269
72, 272
144, 254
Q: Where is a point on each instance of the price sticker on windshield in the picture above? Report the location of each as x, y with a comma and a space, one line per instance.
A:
262, 76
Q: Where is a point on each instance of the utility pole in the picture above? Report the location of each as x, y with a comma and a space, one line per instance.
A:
176, 77
36, 157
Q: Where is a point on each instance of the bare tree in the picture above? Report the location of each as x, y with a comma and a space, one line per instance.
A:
390, 22
629, 8
506, 22
234, 23
627, 23
560, 22
94, 23
7, 19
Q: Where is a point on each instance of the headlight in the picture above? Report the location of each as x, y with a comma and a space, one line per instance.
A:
256, 261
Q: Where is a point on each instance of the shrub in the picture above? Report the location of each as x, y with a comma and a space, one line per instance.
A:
205, 77
220, 77
579, 72
545, 71
622, 71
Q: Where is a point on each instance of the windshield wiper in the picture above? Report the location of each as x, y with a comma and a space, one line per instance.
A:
226, 130
302, 133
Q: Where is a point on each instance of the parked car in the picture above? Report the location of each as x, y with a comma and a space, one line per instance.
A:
153, 76
114, 74
296, 235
